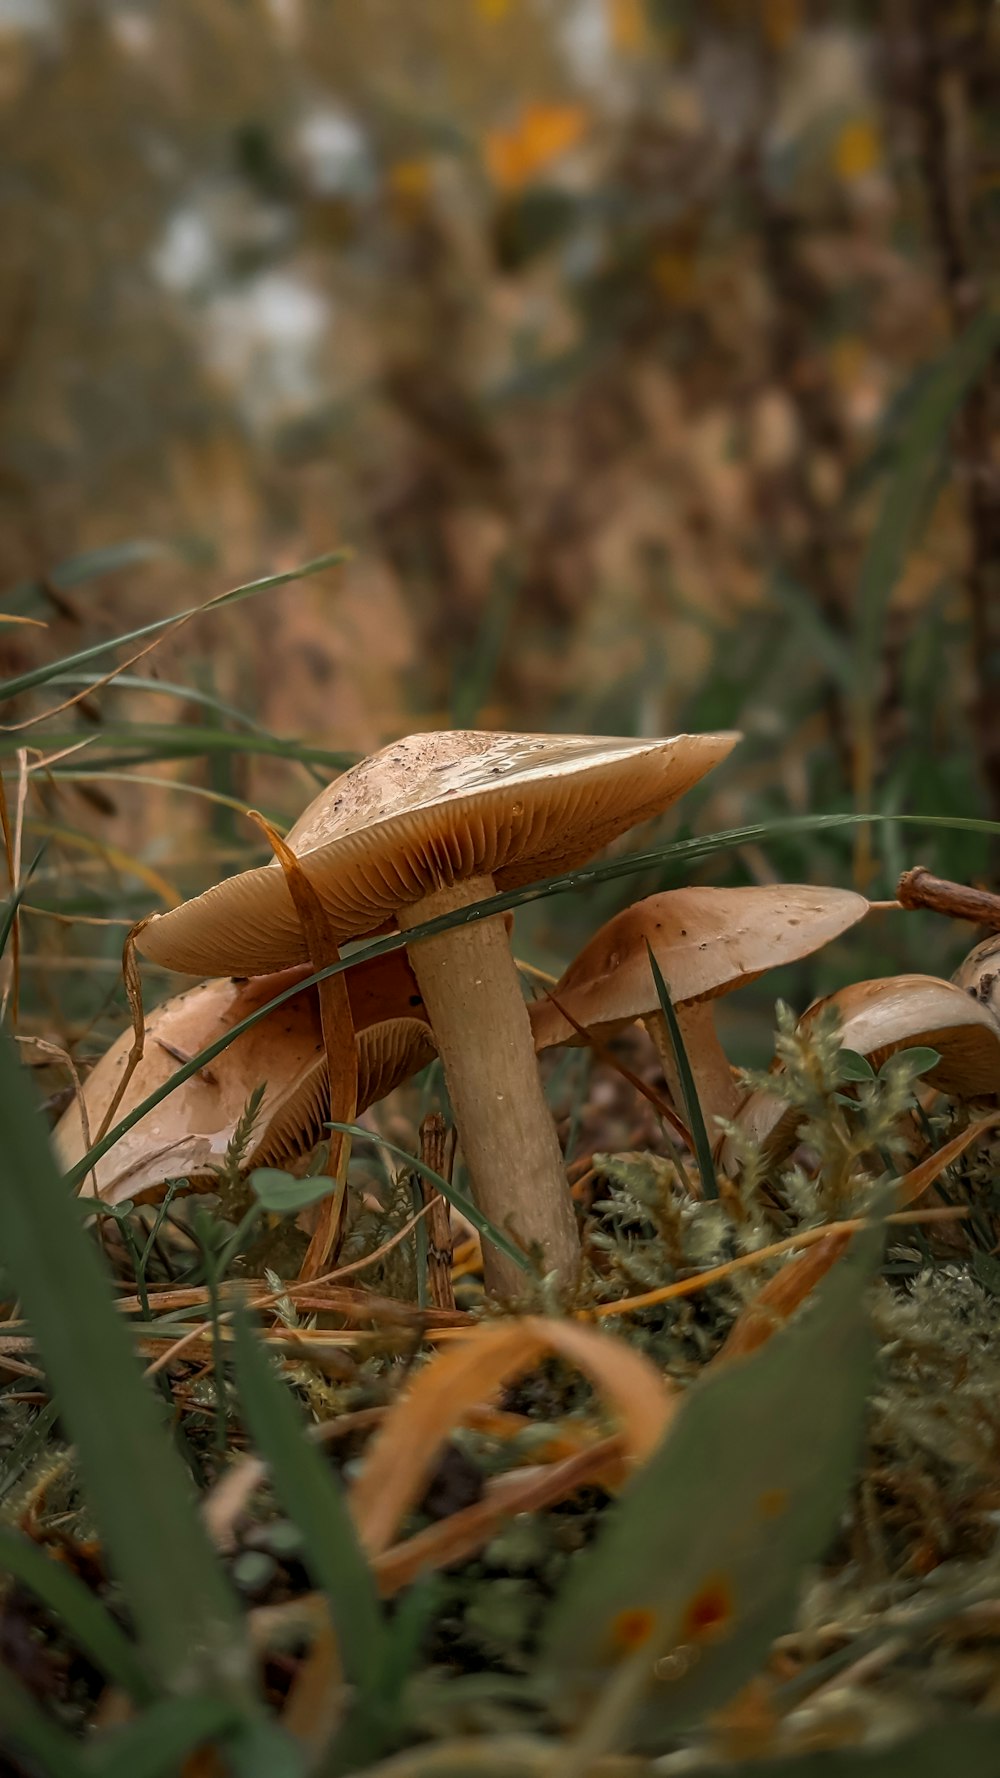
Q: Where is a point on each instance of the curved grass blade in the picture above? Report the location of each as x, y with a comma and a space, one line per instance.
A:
676, 852
692, 1104
183, 741
91, 1627
14, 901
314, 1502
187, 1621
12, 688
699, 1566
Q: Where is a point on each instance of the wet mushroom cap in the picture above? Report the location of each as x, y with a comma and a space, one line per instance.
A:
188, 1133
707, 941
879, 1018
426, 812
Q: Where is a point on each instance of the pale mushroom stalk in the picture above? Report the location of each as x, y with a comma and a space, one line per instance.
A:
469, 982
717, 1092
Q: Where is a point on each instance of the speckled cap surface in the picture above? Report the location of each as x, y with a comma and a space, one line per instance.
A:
706, 942
426, 812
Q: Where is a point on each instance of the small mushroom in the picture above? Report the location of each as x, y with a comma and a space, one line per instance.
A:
979, 974
879, 1018
188, 1133
707, 942
430, 825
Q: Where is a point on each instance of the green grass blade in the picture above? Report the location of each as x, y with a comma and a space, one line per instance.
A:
183, 741
29, 1446
707, 1548
692, 1104
157, 1743
14, 901
186, 1618
315, 1502
26, 1730
454, 1195
89, 565
12, 688
91, 1627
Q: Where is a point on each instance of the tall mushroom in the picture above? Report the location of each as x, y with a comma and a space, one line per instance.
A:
430, 825
707, 942
877, 1019
188, 1133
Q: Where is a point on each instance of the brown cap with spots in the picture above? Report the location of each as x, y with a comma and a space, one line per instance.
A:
706, 941
427, 812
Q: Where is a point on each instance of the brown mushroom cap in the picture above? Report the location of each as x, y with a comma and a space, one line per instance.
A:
426, 812
979, 974
189, 1132
879, 1018
706, 942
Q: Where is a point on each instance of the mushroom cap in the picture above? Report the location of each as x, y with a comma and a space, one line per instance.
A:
878, 1018
426, 812
188, 1133
979, 974
706, 941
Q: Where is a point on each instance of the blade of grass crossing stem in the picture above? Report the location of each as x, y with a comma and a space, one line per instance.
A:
12, 688
680, 853
186, 1618
456, 1197
707, 1549
83, 1616
26, 1731
695, 1120
14, 901
314, 1501
28, 1447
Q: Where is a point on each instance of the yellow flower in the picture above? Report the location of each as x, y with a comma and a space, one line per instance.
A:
857, 150
540, 136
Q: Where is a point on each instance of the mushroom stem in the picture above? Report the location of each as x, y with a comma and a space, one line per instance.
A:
470, 986
717, 1092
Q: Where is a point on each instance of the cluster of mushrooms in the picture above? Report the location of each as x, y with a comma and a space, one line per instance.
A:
429, 826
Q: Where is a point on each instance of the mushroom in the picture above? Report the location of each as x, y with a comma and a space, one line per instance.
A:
426, 827
707, 942
877, 1019
979, 974
188, 1133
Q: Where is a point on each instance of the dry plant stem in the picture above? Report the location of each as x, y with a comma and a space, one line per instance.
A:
437, 1152
917, 888
339, 1041
470, 986
718, 1094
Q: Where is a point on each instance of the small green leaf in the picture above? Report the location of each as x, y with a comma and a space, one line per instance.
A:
852, 1066
283, 1195
699, 1566
909, 1063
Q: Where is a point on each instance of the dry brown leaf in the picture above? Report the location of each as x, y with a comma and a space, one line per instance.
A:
914, 1183
404, 1451
781, 1296
338, 1036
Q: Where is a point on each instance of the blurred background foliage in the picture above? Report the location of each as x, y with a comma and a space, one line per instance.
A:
617, 340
